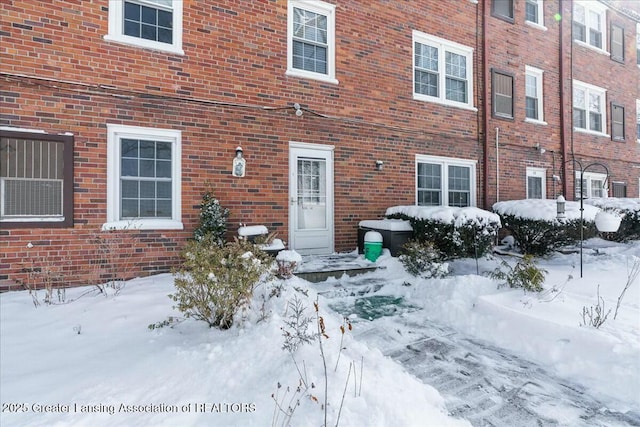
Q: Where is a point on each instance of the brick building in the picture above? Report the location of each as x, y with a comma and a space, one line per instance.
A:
118, 115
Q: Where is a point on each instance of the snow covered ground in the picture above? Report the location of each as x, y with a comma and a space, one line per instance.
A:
94, 361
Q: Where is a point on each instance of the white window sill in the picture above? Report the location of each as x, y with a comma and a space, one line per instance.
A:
425, 98
536, 122
145, 44
143, 224
308, 75
591, 132
536, 25
588, 46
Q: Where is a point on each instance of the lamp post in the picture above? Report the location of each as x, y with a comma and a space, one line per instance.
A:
560, 202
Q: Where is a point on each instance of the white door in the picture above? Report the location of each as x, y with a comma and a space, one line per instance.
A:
311, 198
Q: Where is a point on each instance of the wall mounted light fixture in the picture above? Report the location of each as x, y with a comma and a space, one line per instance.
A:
296, 107
379, 164
540, 149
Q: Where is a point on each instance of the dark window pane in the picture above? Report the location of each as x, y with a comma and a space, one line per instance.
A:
595, 122
503, 8
147, 208
163, 209
165, 19
129, 148
579, 118
148, 32
130, 208
129, 167
532, 108
131, 11
165, 36
147, 189
163, 150
131, 29
129, 189
531, 12
579, 32
164, 190
149, 15
147, 150
147, 168
163, 169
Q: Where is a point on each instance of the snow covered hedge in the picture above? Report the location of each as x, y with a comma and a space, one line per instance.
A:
456, 232
628, 209
536, 228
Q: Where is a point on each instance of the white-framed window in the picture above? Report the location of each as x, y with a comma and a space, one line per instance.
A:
638, 120
143, 178
534, 13
638, 44
534, 101
590, 23
153, 24
593, 184
536, 183
442, 71
36, 179
311, 40
589, 108
445, 181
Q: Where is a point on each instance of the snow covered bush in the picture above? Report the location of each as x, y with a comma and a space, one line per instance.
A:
628, 209
525, 275
536, 229
455, 232
216, 281
213, 219
287, 263
422, 259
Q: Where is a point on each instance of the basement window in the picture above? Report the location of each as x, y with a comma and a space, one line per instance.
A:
36, 179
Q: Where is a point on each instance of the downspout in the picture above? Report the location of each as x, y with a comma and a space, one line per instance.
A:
497, 165
563, 130
485, 104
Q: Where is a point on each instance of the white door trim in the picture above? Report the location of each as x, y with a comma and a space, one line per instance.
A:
323, 151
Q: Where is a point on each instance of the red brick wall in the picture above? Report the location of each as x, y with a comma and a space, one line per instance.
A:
235, 52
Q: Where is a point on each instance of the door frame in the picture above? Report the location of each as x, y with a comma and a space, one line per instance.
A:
321, 151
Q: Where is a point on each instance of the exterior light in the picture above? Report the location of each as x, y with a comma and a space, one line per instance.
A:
379, 164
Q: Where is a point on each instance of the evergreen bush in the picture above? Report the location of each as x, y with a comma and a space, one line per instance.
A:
422, 259
216, 281
213, 219
525, 275
540, 237
464, 237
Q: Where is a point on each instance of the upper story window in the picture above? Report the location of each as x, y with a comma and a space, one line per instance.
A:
143, 178
502, 85
638, 119
533, 94
311, 40
154, 24
617, 122
638, 44
502, 9
534, 12
589, 108
617, 43
443, 181
442, 71
36, 179
589, 23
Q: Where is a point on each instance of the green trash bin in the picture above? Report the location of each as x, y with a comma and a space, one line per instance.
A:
372, 245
